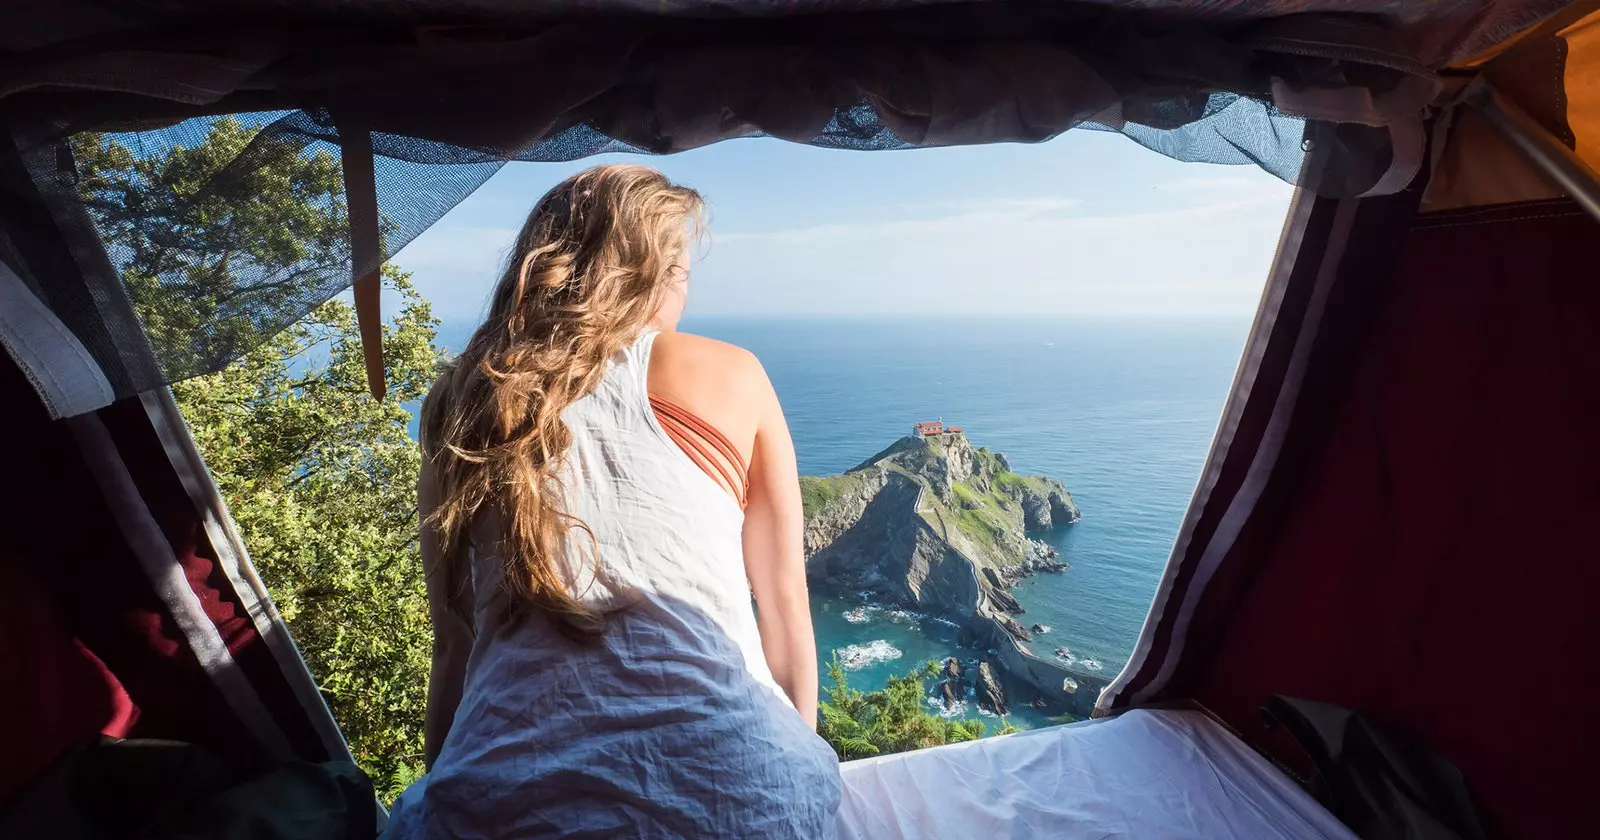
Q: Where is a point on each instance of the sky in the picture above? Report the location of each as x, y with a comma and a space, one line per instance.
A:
1087, 225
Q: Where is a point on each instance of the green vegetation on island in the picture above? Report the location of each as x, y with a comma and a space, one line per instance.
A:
817, 492
973, 490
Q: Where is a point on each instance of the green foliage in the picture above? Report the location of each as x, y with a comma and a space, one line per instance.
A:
1015, 484
184, 239
978, 516
322, 483
978, 526
858, 724
817, 492
967, 494
320, 479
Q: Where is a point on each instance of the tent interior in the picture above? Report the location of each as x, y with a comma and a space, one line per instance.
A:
1389, 528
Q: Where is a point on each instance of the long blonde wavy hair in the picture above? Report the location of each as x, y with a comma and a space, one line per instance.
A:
587, 274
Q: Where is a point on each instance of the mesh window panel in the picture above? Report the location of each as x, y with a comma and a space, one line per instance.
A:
224, 231
213, 266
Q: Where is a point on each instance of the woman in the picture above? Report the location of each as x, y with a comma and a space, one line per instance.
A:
601, 496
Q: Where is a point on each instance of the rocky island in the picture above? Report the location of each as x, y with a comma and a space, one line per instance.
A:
935, 525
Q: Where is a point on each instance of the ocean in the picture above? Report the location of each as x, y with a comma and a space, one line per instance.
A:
1122, 411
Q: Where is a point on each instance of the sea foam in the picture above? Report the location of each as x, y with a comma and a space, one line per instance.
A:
867, 654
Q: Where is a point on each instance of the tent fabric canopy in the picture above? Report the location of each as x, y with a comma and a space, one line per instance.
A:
1394, 515
445, 93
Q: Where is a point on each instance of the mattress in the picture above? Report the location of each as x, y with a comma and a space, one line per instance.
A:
1163, 774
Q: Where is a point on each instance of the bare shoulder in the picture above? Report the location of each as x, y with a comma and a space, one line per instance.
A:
688, 347
684, 356
721, 383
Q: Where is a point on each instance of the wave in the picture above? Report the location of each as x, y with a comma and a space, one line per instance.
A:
868, 611
1067, 657
944, 710
956, 709
866, 655
914, 617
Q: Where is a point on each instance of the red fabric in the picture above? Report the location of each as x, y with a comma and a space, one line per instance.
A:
169, 504
92, 615
1436, 566
1332, 331
57, 693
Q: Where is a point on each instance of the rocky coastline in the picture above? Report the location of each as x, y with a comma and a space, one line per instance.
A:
935, 525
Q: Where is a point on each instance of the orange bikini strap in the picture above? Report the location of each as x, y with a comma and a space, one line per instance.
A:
704, 444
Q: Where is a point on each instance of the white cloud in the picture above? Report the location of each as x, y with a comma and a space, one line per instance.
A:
1206, 257
947, 215
1191, 245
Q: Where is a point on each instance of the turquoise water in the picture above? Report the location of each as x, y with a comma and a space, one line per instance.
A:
1122, 411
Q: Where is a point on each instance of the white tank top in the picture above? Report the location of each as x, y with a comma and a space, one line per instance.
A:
671, 725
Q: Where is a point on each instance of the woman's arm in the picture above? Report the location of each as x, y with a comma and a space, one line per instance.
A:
452, 636
774, 558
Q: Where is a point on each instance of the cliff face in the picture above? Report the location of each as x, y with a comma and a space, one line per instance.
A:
931, 522
938, 525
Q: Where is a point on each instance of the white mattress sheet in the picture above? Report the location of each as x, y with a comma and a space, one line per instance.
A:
1171, 775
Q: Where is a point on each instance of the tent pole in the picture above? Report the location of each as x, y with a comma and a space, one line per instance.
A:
1579, 181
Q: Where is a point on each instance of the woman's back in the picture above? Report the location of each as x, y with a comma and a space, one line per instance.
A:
670, 723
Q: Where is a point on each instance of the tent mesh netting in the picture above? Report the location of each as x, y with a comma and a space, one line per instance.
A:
112, 214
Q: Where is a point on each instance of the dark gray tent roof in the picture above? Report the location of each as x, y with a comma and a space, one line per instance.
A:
443, 92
